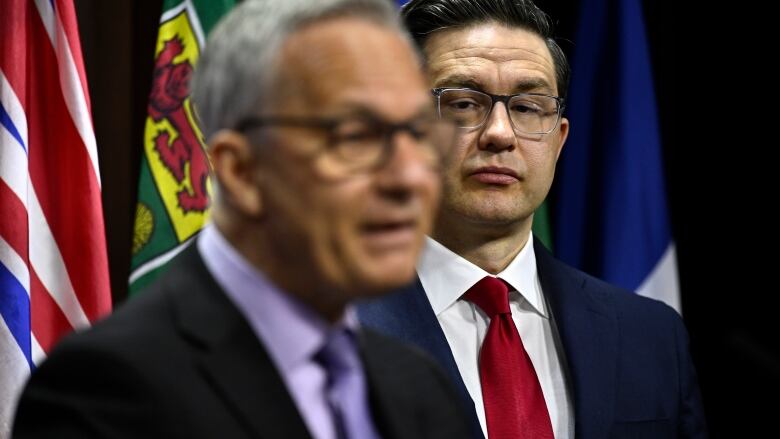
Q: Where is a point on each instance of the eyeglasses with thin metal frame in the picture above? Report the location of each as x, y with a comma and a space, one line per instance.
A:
364, 142
529, 113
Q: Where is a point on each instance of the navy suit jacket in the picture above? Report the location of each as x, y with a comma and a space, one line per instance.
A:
629, 368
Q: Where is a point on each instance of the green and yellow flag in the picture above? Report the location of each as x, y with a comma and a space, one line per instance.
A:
174, 185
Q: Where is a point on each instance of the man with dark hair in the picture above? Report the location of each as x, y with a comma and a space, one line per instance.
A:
325, 148
538, 349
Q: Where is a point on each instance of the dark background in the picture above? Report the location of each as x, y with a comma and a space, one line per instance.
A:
726, 302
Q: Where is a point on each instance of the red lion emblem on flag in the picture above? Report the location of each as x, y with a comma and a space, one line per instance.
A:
170, 89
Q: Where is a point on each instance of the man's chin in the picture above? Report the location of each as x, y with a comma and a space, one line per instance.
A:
380, 279
497, 211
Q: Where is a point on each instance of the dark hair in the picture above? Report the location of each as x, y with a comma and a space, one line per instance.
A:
424, 17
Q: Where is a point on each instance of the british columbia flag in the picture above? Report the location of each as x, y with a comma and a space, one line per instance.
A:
53, 263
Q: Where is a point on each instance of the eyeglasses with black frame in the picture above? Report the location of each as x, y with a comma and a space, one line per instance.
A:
529, 113
363, 142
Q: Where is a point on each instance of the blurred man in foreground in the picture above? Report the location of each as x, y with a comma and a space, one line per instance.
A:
325, 148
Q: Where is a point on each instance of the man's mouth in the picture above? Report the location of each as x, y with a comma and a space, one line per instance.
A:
383, 235
495, 175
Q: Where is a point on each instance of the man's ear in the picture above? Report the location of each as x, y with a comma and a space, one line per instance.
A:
564, 134
235, 167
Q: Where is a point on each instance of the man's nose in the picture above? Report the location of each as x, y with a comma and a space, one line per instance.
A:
409, 166
498, 134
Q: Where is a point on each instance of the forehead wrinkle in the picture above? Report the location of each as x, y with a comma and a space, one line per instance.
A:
467, 57
472, 68
490, 54
498, 54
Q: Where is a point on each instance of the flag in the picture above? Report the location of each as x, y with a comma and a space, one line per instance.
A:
53, 263
541, 227
174, 184
611, 212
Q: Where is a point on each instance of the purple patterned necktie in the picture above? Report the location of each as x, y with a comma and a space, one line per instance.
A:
346, 390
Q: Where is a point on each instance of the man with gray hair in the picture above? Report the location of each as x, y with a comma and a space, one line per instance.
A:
325, 148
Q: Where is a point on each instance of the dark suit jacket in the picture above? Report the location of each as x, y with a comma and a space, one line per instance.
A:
629, 368
181, 362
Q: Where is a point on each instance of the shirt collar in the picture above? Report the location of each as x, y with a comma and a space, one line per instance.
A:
291, 331
446, 276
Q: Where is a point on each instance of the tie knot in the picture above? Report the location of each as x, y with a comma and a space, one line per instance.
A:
491, 294
338, 353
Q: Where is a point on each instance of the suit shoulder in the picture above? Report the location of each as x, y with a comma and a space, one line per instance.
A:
632, 306
640, 318
89, 380
627, 303
149, 319
140, 330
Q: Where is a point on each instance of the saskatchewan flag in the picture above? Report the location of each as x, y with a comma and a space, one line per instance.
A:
173, 186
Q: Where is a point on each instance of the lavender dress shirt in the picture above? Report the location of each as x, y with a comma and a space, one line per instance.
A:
294, 335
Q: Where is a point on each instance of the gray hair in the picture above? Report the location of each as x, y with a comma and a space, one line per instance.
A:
239, 62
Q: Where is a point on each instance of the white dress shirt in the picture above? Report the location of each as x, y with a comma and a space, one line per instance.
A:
445, 276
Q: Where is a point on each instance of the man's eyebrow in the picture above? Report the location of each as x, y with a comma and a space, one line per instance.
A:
526, 85
360, 109
533, 85
458, 81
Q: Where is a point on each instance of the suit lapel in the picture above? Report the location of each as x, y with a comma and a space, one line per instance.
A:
588, 330
232, 359
388, 415
407, 315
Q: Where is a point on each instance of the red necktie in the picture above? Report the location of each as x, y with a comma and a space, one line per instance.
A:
514, 403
